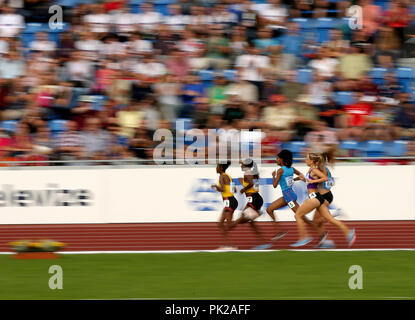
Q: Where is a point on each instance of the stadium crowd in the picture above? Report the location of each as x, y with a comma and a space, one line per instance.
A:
113, 72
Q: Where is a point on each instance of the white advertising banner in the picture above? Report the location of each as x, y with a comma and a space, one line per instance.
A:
184, 194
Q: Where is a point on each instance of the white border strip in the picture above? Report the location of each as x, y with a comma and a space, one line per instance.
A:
222, 251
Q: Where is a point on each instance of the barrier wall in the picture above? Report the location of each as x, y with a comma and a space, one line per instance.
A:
183, 194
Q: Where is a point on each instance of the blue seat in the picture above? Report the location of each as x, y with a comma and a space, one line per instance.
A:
323, 35
375, 148
58, 125
349, 145
344, 97
9, 125
397, 148
34, 27
378, 75
230, 74
206, 75
68, 3
296, 147
303, 23
304, 76
405, 73
353, 148
162, 8
326, 23
98, 102
135, 8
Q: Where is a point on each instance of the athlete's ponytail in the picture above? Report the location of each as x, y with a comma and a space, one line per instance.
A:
329, 156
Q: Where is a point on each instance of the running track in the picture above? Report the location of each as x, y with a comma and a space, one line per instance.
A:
198, 236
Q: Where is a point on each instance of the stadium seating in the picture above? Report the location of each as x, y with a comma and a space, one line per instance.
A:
344, 97
323, 26
57, 126
9, 125
378, 75
207, 76
398, 148
296, 147
375, 148
230, 74
304, 76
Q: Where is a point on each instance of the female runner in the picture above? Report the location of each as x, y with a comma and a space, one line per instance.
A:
250, 183
285, 177
319, 198
230, 203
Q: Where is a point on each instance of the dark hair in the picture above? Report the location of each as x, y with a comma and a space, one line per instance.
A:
287, 157
225, 166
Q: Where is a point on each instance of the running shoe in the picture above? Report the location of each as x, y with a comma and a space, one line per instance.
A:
262, 246
323, 237
279, 235
351, 239
301, 242
327, 244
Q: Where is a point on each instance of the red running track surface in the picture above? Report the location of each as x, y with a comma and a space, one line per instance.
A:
199, 236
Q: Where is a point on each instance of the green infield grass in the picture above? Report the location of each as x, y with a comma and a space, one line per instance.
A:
226, 275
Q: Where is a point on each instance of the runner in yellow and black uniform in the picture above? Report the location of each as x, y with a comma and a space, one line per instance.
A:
230, 203
250, 183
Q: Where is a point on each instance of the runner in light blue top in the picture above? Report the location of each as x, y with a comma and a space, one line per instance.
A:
285, 178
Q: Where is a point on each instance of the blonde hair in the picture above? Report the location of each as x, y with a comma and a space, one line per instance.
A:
317, 159
329, 156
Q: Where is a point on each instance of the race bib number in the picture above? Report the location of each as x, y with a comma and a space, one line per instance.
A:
249, 199
312, 195
226, 203
330, 183
289, 181
291, 204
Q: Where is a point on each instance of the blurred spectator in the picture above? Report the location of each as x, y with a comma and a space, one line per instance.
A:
168, 96
291, 43
42, 43
371, 16
387, 47
118, 71
11, 65
148, 18
11, 22
217, 49
130, 118
98, 21
217, 94
355, 118
321, 138
68, 144
326, 63
354, 64
398, 16
252, 67
242, 90
95, 140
